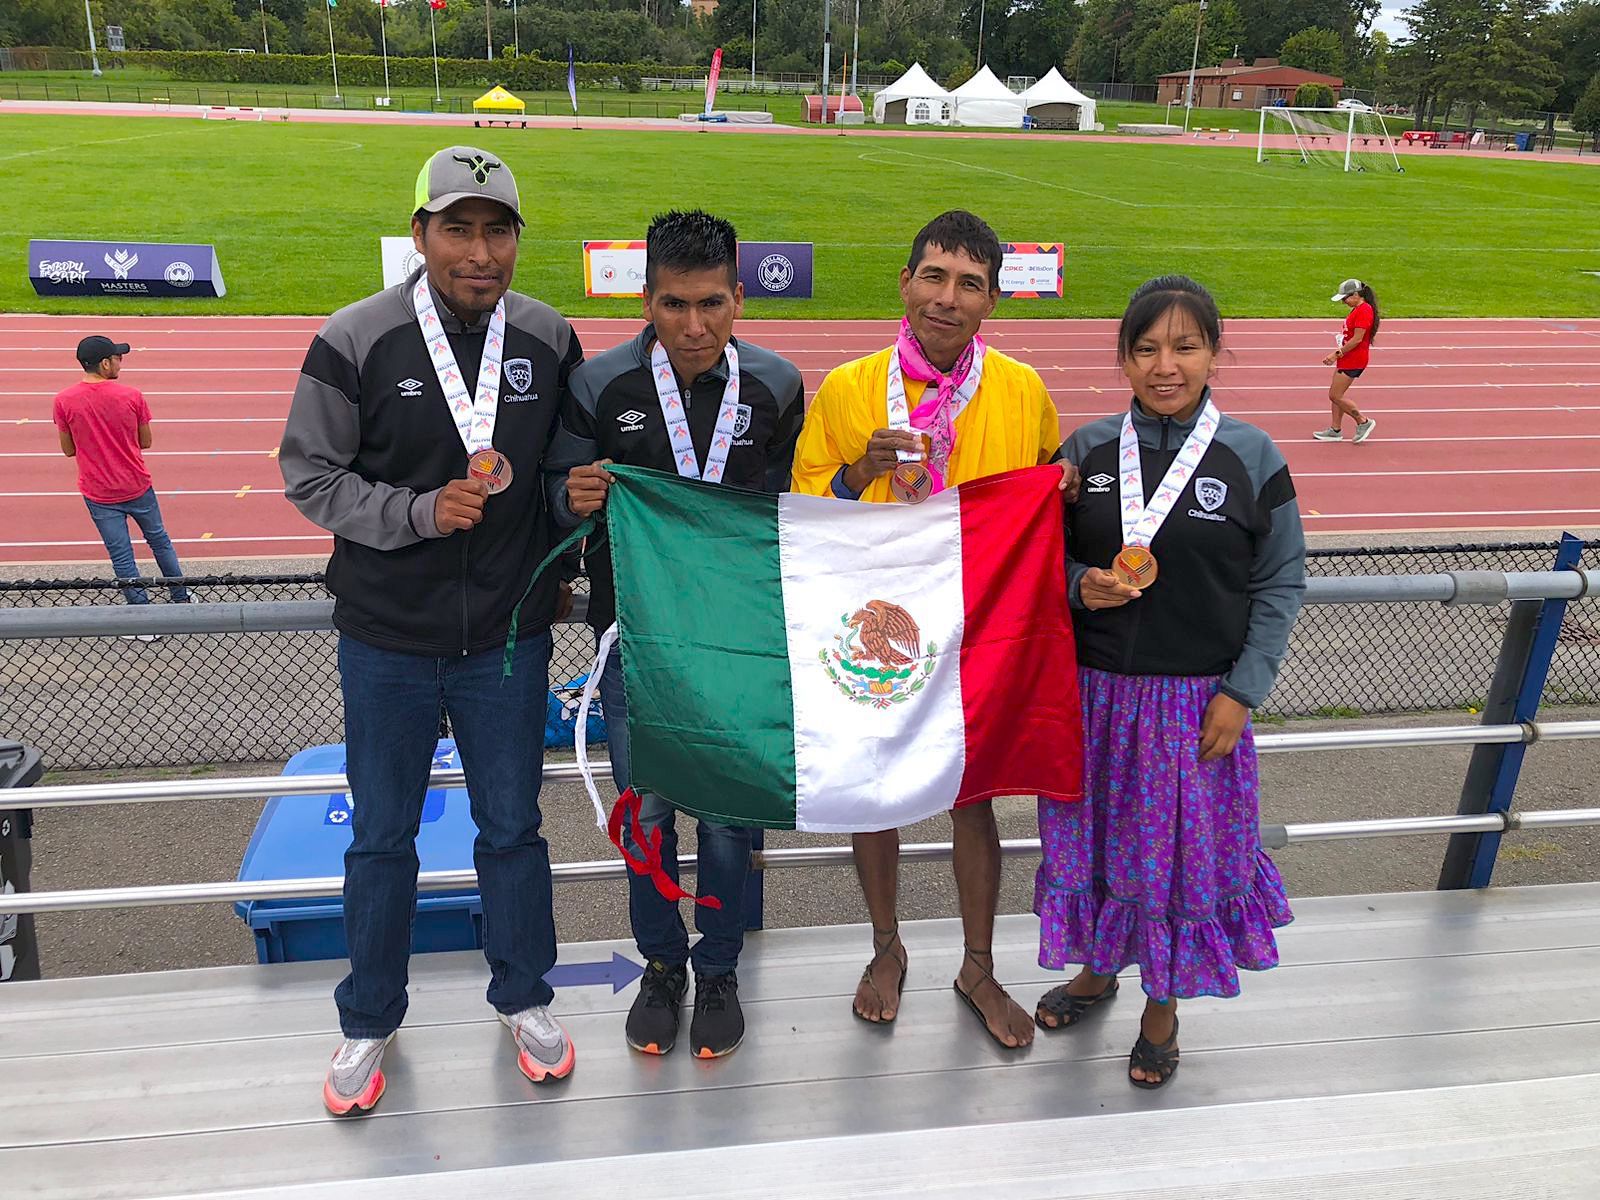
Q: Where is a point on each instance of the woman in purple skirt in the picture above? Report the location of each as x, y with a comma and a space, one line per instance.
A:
1186, 563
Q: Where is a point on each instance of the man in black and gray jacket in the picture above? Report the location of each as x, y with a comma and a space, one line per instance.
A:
664, 400
419, 425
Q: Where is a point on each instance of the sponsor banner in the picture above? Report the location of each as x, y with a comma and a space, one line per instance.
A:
613, 268
63, 268
1033, 270
775, 270
400, 257
711, 80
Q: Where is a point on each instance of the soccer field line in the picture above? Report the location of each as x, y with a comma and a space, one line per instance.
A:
138, 137
875, 157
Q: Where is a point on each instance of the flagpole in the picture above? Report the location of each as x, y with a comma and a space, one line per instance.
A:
383, 33
332, 53
433, 33
516, 33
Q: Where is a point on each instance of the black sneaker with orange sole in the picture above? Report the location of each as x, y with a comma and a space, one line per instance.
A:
653, 1019
718, 1024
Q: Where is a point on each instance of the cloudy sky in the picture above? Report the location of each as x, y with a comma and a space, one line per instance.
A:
1388, 20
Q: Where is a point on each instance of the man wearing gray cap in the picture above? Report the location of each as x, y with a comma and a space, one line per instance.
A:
416, 435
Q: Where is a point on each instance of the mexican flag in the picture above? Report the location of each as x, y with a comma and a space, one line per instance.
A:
805, 663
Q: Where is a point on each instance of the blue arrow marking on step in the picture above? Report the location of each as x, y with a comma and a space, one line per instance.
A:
619, 973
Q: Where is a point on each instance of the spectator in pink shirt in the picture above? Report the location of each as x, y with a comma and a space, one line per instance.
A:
105, 425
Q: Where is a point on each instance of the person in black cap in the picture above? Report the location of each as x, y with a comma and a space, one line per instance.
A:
105, 426
416, 435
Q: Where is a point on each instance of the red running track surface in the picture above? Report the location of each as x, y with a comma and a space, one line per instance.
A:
1481, 424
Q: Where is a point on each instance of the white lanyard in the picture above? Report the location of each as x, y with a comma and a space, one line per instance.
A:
473, 414
677, 417
942, 435
1140, 523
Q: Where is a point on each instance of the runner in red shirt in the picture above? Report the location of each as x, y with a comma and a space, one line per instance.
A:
1349, 359
105, 425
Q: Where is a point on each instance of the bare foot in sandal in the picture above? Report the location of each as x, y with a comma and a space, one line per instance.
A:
878, 994
1155, 1055
1065, 1005
1005, 1020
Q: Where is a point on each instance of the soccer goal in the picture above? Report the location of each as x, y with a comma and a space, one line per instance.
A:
1346, 138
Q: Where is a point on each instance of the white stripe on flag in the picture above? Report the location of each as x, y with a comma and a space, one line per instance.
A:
865, 758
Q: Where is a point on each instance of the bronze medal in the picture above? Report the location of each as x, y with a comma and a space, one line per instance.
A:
911, 483
1134, 566
492, 467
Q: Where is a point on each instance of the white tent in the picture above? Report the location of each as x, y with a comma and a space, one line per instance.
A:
913, 99
1055, 103
984, 100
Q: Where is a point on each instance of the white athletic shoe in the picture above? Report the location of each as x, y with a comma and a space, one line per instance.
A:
1365, 428
1328, 435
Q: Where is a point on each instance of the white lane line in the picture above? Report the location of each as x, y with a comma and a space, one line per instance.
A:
1105, 339
164, 421
1499, 512
147, 453
236, 493
1410, 474
138, 137
207, 541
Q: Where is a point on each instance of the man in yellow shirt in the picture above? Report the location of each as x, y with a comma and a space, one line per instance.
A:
965, 411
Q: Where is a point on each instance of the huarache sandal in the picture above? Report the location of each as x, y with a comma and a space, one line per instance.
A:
1067, 1008
1147, 1057
900, 960
986, 979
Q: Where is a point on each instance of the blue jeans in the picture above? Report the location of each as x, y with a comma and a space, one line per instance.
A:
391, 721
112, 522
724, 863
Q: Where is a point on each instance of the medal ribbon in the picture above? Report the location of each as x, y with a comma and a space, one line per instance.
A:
1140, 523
677, 417
952, 394
473, 413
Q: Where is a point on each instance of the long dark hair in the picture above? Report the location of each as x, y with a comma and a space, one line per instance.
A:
1155, 298
1371, 297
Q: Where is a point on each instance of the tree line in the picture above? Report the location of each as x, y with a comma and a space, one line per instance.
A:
1490, 55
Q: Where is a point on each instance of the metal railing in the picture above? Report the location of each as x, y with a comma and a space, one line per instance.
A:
90, 701
1485, 812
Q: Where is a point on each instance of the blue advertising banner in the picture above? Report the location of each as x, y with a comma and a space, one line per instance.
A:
62, 268
775, 270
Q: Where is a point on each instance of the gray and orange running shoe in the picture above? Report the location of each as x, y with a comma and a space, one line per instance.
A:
355, 1080
544, 1051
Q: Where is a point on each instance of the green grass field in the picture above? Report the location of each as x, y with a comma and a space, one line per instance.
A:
295, 211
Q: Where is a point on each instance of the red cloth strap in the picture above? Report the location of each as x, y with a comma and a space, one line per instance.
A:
650, 864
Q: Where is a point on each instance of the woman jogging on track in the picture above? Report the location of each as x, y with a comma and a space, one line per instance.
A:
1349, 359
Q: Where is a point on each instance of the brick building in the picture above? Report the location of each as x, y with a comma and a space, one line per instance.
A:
1235, 85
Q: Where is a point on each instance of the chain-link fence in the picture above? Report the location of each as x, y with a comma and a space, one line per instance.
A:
219, 698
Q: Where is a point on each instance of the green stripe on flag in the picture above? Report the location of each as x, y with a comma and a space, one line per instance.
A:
700, 607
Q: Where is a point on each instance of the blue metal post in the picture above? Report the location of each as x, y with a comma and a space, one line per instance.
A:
1492, 776
755, 885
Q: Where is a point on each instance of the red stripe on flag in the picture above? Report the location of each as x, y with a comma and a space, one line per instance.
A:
1019, 669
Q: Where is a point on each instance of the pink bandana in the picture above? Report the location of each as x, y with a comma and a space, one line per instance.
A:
934, 416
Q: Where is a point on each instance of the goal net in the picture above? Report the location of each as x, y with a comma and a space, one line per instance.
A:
1345, 139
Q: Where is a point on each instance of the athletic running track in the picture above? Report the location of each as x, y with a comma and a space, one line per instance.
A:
1481, 424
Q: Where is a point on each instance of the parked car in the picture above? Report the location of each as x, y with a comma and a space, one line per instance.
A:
1354, 106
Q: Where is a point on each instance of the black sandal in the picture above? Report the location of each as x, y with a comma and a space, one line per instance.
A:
987, 978
901, 960
1162, 1059
1067, 1008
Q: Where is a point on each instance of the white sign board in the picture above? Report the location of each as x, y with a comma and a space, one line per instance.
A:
1032, 270
399, 257
613, 268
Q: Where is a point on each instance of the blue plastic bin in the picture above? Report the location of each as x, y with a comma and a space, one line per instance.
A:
306, 837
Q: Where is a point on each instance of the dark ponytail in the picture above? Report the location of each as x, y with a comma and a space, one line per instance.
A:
1371, 298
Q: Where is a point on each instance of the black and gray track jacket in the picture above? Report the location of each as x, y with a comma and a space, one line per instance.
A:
369, 444
1230, 555
612, 411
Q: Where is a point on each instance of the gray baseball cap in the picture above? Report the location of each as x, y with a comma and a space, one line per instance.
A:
1348, 288
465, 173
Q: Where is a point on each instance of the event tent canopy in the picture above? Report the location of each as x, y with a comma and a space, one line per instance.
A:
984, 100
899, 101
1050, 100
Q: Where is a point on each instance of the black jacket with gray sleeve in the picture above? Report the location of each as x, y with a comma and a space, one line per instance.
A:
369, 444
613, 411
1230, 556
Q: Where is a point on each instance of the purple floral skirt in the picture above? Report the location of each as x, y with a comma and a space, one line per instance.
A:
1161, 863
